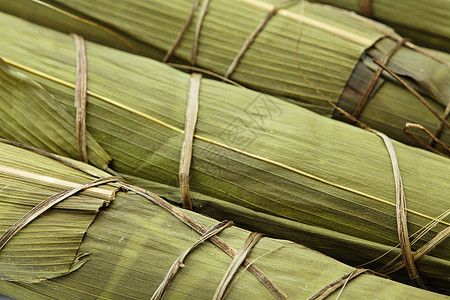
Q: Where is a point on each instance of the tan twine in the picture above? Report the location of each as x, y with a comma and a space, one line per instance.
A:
443, 122
400, 205
81, 96
254, 34
180, 260
341, 282
188, 138
180, 36
238, 259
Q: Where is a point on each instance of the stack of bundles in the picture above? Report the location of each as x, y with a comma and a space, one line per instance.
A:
279, 168
332, 49
424, 23
81, 250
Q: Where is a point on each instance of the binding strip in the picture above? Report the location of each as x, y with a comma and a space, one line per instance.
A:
254, 34
442, 119
198, 27
181, 216
81, 96
179, 262
238, 259
188, 138
423, 144
332, 287
365, 6
414, 92
440, 128
180, 36
376, 75
422, 251
400, 205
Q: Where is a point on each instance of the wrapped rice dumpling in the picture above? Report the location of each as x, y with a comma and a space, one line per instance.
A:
332, 49
261, 157
102, 243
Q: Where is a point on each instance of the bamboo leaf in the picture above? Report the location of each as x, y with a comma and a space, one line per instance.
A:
32, 116
48, 246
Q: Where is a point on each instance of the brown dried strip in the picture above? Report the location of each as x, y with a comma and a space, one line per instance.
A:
414, 92
192, 68
180, 36
438, 131
254, 34
180, 215
418, 235
50, 155
81, 96
47, 204
400, 205
422, 251
179, 262
422, 143
332, 287
188, 138
365, 7
375, 77
249, 243
198, 27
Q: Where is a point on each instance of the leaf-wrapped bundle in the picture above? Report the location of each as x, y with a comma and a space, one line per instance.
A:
252, 150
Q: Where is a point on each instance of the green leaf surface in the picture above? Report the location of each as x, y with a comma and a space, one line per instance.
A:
250, 149
49, 246
133, 242
32, 116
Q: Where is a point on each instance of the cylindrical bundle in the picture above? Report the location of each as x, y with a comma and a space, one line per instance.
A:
250, 149
132, 243
427, 23
332, 49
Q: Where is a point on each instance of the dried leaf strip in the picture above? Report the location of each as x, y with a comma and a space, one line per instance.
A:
198, 27
180, 260
180, 36
254, 34
332, 287
422, 143
238, 259
439, 129
188, 137
415, 93
400, 205
421, 99
81, 97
